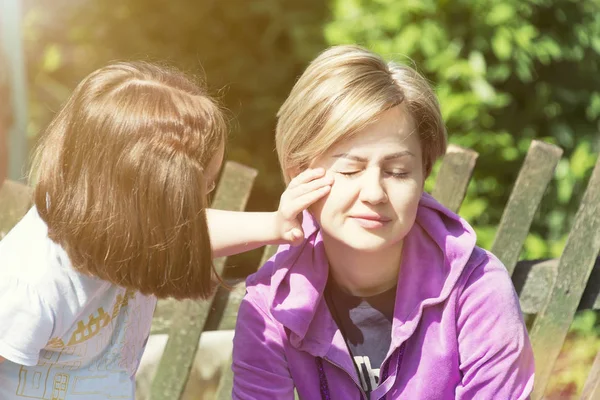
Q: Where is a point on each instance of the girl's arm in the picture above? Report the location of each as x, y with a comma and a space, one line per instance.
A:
234, 232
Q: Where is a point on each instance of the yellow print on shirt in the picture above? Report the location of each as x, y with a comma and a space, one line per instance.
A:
91, 329
55, 343
97, 322
51, 379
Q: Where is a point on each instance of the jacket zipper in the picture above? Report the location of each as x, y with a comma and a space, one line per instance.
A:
363, 395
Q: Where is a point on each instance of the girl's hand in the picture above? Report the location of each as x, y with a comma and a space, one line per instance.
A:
305, 189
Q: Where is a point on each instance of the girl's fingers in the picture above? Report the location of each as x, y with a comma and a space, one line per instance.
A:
308, 187
294, 236
303, 201
306, 176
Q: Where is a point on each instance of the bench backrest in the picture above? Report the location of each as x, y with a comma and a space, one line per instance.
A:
550, 291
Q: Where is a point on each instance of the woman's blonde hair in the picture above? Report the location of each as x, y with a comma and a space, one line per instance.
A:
120, 177
342, 91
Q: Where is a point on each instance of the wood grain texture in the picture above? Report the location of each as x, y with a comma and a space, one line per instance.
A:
190, 316
574, 268
534, 177
454, 176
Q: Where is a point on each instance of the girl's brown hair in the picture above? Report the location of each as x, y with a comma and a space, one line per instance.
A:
121, 179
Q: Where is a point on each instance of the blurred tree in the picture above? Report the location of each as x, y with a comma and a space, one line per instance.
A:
506, 72
250, 53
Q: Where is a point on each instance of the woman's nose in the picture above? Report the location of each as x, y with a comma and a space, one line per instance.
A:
372, 189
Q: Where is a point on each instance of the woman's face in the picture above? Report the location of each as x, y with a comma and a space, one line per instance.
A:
378, 183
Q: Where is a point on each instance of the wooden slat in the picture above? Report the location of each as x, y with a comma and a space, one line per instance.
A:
591, 294
190, 317
533, 179
591, 389
228, 322
533, 281
163, 316
453, 177
269, 252
15, 200
225, 306
552, 323
226, 382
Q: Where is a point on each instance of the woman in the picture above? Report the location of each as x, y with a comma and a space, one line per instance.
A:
388, 297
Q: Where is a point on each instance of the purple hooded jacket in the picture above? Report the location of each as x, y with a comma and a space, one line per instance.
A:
457, 331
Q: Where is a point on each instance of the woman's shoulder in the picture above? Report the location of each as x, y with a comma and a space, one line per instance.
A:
484, 260
262, 285
485, 272
278, 264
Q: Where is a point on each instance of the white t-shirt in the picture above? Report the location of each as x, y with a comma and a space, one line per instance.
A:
64, 335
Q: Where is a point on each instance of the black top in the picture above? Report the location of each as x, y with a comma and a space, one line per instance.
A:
366, 323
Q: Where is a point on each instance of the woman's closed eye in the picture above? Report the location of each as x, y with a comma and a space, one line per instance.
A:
349, 173
397, 174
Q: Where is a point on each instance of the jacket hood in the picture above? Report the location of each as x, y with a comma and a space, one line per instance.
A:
435, 253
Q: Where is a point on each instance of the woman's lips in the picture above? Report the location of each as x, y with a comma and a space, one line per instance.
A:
370, 222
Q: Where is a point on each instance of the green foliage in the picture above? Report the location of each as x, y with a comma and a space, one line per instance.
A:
505, 73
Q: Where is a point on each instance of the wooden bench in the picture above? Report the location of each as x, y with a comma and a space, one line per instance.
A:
550, 291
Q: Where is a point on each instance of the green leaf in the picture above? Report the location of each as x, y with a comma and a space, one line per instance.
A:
501, 44
524, 36
500, 14
498, 72
564, 186
595, 42
582, 160
477, 62
407, 40
524, 68
484, 91
593, 109
535, 247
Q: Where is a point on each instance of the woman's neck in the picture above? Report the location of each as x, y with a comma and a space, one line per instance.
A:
362, 273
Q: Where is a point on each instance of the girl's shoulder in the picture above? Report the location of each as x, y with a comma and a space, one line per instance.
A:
31, 262
25, 252
28, 254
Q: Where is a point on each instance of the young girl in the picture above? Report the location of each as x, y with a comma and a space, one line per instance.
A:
388, 296
122, 174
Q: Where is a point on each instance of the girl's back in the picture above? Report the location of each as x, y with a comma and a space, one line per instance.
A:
92, 333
